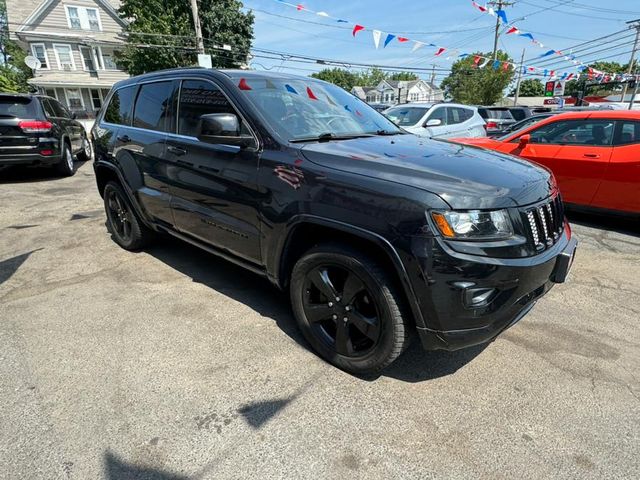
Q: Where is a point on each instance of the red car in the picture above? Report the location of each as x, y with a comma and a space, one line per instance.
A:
595, 155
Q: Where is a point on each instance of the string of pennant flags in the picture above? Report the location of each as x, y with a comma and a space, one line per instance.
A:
384, 39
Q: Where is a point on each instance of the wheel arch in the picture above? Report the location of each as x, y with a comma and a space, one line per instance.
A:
306, 231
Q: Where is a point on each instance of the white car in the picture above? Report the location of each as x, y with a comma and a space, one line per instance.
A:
438, 120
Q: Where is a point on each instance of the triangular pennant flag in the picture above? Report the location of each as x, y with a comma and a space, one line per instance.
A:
356, 29
513, 30
388, 39
311, 95
346, 107
300, 7
564, 75
570, 76
496, 64
476, 60
524, 70
463, 55
440, 51
289, 88
342, 21
484, 64
503, 16
506, 66
243, 85
403, 39
552, 73
376, 37
547, 53
417, 45
544, 74
322, 14
331, 101
527, 35
491, 12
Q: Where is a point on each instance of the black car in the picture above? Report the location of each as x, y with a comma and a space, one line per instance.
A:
39, 130
375, 233
520, 113
497, 119
528, 122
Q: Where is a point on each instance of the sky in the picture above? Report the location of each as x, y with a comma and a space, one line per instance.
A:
557, 24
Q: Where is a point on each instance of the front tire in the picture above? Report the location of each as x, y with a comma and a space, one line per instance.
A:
122, 222
348, 309
65, 165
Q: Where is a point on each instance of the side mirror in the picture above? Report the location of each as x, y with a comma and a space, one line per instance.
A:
434, 122
222, 128
524, 140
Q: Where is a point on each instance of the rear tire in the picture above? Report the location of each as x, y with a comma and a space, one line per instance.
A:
122, 222
65, 165
85, 154
331, 283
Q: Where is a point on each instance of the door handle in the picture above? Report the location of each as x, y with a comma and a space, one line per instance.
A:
591, 155
176, 150
123, 138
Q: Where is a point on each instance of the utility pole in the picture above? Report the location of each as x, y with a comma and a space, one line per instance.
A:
632, 24
515, 97
498, 4
432, 82
196, 23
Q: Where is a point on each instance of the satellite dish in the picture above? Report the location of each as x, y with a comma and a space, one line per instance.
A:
32, 62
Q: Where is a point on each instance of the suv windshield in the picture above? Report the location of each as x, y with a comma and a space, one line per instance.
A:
17, 107
496, 113
301, 110
406, 116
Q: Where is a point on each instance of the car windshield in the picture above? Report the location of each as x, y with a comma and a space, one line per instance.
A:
522, 125
17, 107
300, 109
406, 116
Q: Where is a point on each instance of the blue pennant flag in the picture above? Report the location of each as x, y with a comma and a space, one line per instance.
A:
527, 35
524, 70
564, 75
502, 15
464, 55
342, 21
545, 72
547, 53
388, 39
496, 64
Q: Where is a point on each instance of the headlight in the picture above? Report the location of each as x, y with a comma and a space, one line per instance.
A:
474, 224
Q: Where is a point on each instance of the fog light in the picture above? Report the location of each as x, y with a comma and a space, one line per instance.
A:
478, 297
46, 152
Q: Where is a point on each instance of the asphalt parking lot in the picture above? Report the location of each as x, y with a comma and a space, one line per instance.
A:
172, 364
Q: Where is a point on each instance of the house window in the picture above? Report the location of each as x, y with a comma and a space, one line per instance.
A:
87, 58
40, 52
50, 92
109, 61
64, 56
83, 18
96, 98
74, 98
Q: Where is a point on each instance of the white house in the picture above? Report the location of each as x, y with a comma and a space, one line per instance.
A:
399, 91
75, 41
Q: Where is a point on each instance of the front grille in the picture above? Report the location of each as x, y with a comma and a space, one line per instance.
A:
546, 223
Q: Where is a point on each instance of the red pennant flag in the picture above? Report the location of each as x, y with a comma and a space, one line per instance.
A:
590, 73
356, 29
532, 69
513, 30
403, 39
242, 85
440, 51
299, 7
476, 60
505, 66
311, 94
570, 76
552, 73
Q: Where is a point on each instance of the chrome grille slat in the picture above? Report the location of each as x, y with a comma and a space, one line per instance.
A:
546, 222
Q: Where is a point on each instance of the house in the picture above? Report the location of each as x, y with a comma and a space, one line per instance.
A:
399, 91
75, 42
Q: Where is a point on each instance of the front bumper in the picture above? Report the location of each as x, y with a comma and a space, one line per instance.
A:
452, 323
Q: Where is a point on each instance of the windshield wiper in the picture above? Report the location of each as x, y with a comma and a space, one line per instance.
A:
327, 137
387, 132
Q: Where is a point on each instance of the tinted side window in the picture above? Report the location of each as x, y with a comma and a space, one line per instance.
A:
48, 108
154, 106
575, 132
59, 110
629, 133
439, 114
119, 109
197, 98
458, 115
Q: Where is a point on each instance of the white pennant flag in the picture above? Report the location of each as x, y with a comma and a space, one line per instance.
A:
484, 64
322, 14
376, 37
491, 12
417, 45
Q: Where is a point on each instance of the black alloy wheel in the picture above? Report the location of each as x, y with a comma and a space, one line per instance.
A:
348, 308
341, 310
119, 216
126, 228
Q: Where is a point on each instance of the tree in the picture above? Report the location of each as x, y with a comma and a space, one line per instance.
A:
404, 76
14, 73
338, 76
371, 77
531, 87
574, 87
471, 85
161, 34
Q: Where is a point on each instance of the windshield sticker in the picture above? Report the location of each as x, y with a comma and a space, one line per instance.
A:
346, 107
311, 94
290, 88
269, 85
243, 85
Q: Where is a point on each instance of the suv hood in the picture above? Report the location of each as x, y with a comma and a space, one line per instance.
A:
465, 177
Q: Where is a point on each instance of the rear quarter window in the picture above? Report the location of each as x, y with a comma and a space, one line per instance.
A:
18, 107
120, 105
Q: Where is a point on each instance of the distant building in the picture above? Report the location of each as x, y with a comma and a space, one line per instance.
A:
75, 41
399, 91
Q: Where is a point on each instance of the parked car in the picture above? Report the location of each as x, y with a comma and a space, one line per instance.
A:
38, 130
595, 155
379, 107
374, 233
439, 120
520, 113
497, 119
527, 122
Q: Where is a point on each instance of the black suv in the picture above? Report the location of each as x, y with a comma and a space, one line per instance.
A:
374, 232
38, 130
